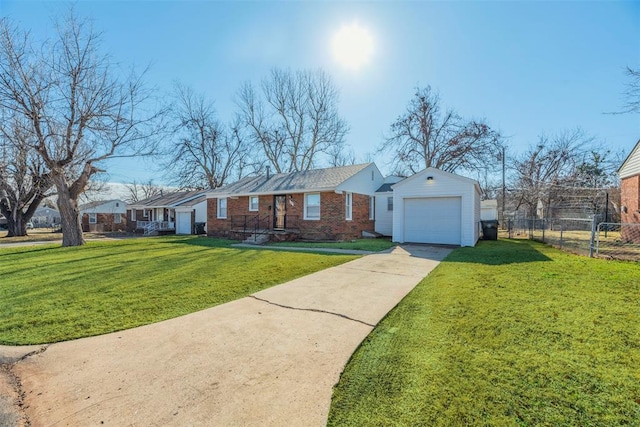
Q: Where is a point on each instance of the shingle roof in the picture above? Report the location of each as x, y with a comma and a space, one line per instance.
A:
311, 180
385, 188
178, 198
95, 203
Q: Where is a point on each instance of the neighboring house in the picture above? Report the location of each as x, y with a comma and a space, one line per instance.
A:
323, 204
384, 206
436, 207
629, 174
489, 210
45, 216
103, 215
168, 213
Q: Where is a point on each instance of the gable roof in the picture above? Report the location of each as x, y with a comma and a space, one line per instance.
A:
327, 179
631, 165
385, 188
435, 171
96, 203
170, 200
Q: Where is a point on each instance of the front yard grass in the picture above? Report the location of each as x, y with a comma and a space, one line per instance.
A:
510, 333
49, 293
371, 245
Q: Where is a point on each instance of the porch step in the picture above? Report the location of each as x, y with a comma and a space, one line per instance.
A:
257, 239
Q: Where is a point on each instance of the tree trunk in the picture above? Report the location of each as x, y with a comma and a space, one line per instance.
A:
69, 214
16, 226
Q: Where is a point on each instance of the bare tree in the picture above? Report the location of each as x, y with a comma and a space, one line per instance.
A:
424, 136
294, 120
543, 173
24, 179
206, 154
632, 92
78, 110
140, 191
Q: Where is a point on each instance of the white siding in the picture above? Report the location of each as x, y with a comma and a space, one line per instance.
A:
112, 206
477, 211
201, 211
367, 181
631, 166
384, 217
443, 185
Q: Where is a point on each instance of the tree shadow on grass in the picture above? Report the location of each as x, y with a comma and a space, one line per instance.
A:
499, 252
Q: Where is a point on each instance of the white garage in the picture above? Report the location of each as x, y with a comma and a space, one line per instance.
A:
183, 223
189, 213
433, 220
436, 207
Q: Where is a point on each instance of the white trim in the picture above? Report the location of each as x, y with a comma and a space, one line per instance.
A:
222, 201
348, 206
93, 216
117, 218
257, 204
372, 207
229, 194
306, 206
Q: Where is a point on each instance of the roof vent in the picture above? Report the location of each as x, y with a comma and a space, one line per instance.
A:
268, 172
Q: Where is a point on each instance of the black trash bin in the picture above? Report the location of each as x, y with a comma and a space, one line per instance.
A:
490, 230
199, 227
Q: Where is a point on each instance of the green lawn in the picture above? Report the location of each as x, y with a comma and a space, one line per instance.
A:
510, 333
49, 293
373, 245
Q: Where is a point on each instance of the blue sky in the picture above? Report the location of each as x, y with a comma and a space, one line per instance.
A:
525, 67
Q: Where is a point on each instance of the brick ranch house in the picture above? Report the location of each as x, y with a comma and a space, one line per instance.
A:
103, 215
323, 204
629, 174
168, 213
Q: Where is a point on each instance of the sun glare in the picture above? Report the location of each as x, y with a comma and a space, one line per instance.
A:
352, 46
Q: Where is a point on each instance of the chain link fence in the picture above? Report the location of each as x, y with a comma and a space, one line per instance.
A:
587, 237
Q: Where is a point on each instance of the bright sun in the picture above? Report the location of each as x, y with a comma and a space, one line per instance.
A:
352, 46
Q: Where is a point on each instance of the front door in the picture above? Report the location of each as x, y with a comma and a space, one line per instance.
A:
280, 203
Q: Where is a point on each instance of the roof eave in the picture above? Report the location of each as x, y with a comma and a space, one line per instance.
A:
269, 193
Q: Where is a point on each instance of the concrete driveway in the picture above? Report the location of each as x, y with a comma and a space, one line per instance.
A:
268, 359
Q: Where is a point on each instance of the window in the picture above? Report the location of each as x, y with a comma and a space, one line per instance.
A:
133, 214
312, 206
372, 207
117, 205
222, 208
348, 206
390, 203
93, 218
117, 218
253, 203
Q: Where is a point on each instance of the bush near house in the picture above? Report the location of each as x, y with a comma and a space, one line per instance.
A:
510, 333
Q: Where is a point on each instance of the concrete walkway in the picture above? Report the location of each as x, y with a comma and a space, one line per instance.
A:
270, 359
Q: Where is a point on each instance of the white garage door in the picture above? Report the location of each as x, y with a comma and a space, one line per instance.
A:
183, 223
433, 220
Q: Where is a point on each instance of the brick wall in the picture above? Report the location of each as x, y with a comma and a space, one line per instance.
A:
331, 226
131, 224
630, 198
104, 222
